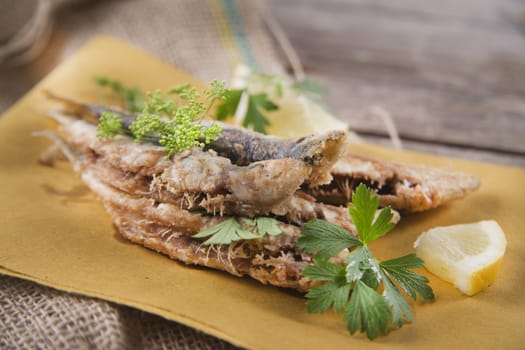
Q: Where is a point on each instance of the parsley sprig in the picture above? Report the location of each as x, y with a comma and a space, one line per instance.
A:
173, 123
355, 287
231, 230
257, 105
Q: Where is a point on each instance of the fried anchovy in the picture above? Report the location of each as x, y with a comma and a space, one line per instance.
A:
168, 229
243, 146
407, 188
129, 178
198, 179
335, 174
319, 151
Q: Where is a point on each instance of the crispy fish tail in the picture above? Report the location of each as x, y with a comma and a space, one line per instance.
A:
407, 188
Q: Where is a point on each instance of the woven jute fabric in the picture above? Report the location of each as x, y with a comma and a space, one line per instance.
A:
196, 36
37, 317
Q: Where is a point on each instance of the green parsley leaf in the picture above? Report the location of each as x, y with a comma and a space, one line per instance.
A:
231, 230
325, 239
226, 232
320, 298
254, 118
263, 102
335, 293
268, 226
400, 309
361, 277
409, 261
411, 282
382, 224
367, 311
229, 105
354, 269
363, 211
325, 271
361, 265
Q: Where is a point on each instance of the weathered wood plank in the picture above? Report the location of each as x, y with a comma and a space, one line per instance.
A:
448, 72
465, 153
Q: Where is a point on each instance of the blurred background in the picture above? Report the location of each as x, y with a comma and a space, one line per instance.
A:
449, 75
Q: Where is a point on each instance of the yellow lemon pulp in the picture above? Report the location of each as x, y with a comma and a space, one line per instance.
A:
298, 116
467, 255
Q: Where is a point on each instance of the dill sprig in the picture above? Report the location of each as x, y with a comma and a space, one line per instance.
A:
110, 125
173, 123
132, 97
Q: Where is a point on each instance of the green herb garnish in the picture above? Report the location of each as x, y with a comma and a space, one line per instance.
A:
354, 288
109, 126
132, 97
257, 103
231, 230
308, 86
265, 225
254, 117
174, 124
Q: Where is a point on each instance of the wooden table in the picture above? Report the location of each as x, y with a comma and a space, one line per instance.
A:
450, 73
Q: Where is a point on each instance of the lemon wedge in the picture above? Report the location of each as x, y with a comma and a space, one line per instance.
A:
467, 255
298, 116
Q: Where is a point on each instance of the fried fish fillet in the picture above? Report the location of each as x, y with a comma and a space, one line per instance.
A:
147, 197
243, 147
334, 173
168, 229
407, 188
200, 179
161, 202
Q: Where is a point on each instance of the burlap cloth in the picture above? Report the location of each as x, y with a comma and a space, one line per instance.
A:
205, 38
